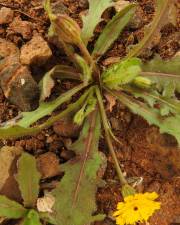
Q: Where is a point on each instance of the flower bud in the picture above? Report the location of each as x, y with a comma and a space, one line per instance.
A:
67, 29
142, 82
127, 190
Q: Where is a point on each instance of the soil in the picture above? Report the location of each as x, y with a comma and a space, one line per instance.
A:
149, 160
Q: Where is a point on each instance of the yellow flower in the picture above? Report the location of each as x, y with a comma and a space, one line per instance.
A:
136, 208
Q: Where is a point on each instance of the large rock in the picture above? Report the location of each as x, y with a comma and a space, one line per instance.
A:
15, 79
35, 51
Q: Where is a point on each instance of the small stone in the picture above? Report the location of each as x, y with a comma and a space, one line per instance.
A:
66, 128
67, 154
19, 86
35, 51
20, 27
48, 165
6, 15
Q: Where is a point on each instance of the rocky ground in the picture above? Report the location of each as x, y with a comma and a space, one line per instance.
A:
150, 160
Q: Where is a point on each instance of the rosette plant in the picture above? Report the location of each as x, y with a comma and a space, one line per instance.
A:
147, 89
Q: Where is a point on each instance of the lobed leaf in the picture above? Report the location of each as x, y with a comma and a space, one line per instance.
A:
46, 108
15, 130
170, 124
165, 74
28, 179
11, 209
113, 30
93, 17
81, 178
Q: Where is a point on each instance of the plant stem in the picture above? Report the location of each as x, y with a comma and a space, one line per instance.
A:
90, 61
108, 138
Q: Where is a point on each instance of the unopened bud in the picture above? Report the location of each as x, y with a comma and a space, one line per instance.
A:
142, 82
67, 29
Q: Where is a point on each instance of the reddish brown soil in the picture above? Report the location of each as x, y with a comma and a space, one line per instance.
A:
144, 154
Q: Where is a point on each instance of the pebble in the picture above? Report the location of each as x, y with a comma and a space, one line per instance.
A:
20, 27
48, 165
36, 51
6, 15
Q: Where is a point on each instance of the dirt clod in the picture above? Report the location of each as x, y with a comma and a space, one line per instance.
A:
48, 165
6, 15
66, 128
18, 26
35, 51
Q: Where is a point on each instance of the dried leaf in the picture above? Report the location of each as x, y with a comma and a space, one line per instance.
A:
120, 5
46, 85
80, 180
93, 17
46, 203
11, 209
153, 30
111, 101
7, 156
113, 30
28, 179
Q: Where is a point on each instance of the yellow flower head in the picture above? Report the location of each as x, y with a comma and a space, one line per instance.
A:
136, 208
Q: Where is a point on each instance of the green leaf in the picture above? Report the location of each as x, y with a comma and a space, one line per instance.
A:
165, 74
11, 209
81, 179
47, 217
46, 108
28, 179
121, 73
113, 30
87, 108
15, 131
93, 17
170, 125
86, 70
32, 218
153, 98
162, 7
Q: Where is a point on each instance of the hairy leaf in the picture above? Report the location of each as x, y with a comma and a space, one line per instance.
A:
32, 218
164, 104
11, 209
14, 130
165, 74
162, 7
170, 125
113, 30
28, 179
46, 108
86, 70
80, 180
93, 17
87, 108
121, 73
